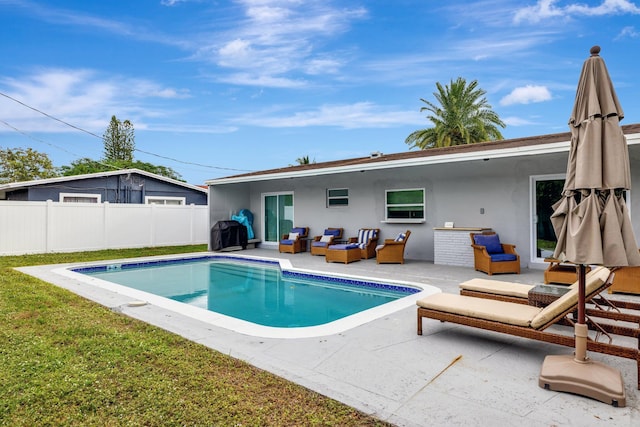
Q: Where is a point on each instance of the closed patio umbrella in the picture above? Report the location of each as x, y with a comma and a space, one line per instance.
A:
591, 222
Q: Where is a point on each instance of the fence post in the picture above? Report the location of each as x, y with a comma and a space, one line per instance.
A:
152, 228
49, 226
192, 212
105, 225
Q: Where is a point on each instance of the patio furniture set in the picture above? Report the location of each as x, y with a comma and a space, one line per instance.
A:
334, 248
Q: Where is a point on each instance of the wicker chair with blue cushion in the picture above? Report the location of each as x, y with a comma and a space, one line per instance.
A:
295, 241
392, 251
367, 241
320, 244
491, 256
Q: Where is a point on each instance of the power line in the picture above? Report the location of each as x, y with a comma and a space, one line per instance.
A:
102, 138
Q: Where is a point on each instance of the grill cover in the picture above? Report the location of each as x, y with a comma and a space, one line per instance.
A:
225, 234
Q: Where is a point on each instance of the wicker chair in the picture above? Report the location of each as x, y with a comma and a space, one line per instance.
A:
320, 244
367, 240
392, 251
295, 241
491, 256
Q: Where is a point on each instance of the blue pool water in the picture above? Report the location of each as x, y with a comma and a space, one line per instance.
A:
254, 291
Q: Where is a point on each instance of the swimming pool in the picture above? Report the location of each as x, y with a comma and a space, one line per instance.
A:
97, 288
254, 291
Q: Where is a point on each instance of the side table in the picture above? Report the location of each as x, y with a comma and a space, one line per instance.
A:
543, 295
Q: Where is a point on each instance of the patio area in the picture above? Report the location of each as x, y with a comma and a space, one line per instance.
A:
452, 375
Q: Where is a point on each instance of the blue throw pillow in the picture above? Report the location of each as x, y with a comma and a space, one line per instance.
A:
334, 233
489, 241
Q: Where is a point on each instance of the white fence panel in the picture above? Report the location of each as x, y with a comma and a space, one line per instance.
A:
40, 227
23, 227
128, 228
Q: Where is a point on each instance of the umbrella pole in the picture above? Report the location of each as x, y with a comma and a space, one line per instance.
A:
581, 329
576, 373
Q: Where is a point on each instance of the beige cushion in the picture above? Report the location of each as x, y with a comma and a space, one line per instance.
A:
481, 308
293, 236
594, 280
497, 287
326, 238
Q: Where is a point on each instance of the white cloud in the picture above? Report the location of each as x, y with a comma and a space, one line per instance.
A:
517, 121
280, 40
527, 95
545, 9
628, 32
348, 116
90, 100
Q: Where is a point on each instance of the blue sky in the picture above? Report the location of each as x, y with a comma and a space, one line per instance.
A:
216, 88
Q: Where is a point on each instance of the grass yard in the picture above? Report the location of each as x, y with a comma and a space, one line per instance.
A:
69, 361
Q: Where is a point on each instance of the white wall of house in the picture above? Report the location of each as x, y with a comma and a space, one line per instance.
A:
41, 227
455, 191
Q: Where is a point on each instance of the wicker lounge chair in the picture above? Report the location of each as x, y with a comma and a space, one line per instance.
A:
367, 240
492, 256
392, 251
320, 244
525, 321
295, 241
599, 306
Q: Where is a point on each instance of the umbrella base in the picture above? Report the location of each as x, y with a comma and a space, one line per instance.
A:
589, 378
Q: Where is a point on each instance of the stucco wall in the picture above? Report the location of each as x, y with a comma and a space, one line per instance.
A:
493, 193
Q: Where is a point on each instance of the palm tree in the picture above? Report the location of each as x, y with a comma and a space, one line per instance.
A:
304, 160
463, 117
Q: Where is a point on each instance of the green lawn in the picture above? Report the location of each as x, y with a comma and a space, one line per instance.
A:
69, 361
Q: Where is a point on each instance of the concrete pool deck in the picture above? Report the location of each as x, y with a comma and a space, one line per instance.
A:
452, 375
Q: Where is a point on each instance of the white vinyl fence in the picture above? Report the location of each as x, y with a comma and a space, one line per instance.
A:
40, 227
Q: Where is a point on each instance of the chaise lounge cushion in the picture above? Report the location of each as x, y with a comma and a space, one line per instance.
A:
480, 308
594, 280
491, 242
497, 287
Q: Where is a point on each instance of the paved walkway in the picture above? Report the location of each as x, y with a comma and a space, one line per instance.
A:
452, 375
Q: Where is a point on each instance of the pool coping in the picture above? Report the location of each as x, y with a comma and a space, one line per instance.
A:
63, 275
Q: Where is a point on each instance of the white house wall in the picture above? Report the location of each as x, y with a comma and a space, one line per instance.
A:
455, 192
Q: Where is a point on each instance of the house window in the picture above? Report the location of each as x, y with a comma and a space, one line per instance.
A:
337, 197
79, 198
403, 205
162, 200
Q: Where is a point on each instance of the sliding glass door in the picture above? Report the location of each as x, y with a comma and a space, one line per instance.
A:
278, 215
545, 190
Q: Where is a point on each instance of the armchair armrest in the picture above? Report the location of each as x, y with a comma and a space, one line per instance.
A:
509, 249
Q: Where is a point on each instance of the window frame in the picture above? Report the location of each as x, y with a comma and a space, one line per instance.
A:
405, 220
96, 196
329, 197
182, 200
